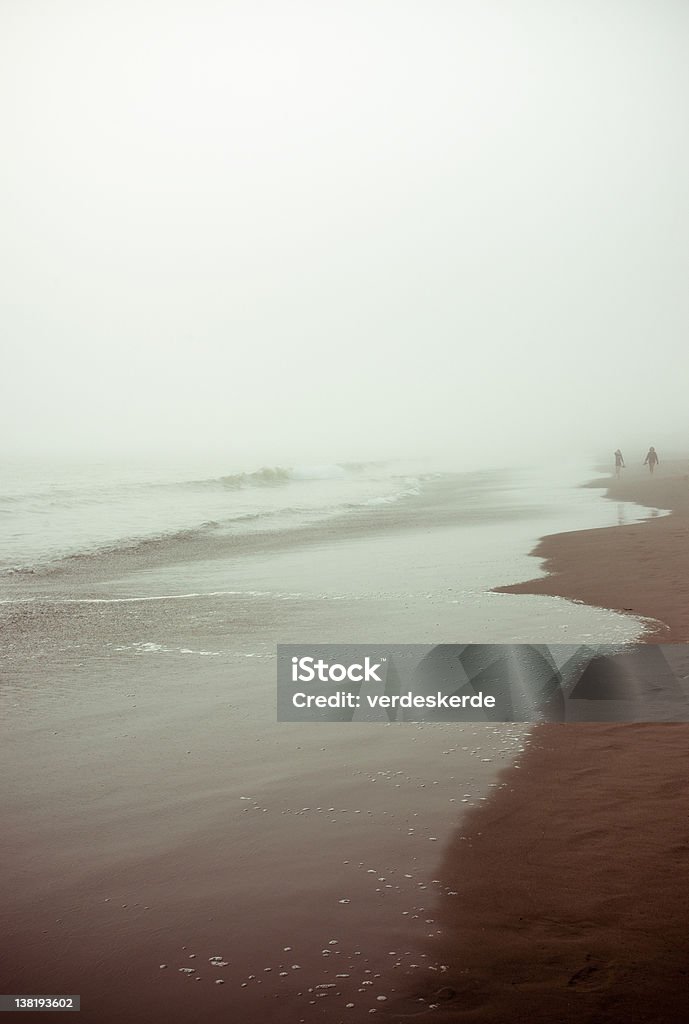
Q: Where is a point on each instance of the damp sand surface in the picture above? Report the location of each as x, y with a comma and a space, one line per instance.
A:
154, 816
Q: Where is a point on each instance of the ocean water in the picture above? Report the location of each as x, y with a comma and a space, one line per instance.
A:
53, 509
351, 553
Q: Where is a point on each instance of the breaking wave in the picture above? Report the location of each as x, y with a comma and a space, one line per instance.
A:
86, 518
275, 476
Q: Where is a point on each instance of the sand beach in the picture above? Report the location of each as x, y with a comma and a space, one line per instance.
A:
172, 851
321, 324
574, 877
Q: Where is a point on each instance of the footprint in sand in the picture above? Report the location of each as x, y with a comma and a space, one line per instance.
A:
594, 974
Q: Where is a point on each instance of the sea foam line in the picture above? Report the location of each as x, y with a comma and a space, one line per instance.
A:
154, 597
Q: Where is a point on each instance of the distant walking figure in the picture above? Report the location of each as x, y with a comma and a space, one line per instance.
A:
619, 462
651, 459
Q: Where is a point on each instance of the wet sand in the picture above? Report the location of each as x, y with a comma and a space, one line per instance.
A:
168, 825
572, 882
156, 815
572, 885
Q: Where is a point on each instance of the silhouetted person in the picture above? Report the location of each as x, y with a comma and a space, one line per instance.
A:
651, 459
619, 462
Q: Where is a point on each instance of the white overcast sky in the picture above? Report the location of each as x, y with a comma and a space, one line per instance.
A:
312, 229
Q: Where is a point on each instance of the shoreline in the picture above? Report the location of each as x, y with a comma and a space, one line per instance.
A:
573, 878
640, 568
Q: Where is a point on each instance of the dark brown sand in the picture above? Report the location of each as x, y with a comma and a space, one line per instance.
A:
572, 885
573, 881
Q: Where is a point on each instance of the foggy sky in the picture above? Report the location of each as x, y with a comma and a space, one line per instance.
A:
330, 230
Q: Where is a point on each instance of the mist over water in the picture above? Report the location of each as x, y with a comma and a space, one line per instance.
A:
52, 509
329, 233
314, 317
247, 245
